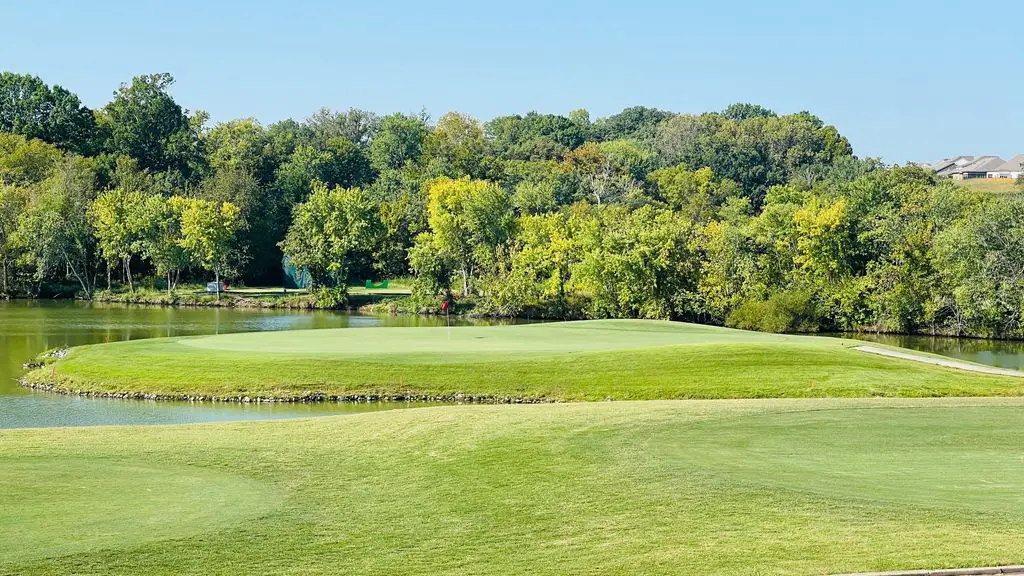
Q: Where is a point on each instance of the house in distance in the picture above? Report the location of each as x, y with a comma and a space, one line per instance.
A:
970, 167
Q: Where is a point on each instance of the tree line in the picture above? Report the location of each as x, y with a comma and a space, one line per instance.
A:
742, 217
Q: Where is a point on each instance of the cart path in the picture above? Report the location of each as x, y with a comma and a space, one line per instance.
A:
940, 361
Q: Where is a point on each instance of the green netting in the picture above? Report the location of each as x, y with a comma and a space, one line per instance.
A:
294, 277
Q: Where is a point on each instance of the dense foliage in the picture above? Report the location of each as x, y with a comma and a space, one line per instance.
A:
742, 217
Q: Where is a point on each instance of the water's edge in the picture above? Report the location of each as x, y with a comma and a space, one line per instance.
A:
304, 398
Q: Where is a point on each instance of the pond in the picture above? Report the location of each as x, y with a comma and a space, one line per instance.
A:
30, 327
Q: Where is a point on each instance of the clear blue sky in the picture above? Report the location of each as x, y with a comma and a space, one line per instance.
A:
904, 80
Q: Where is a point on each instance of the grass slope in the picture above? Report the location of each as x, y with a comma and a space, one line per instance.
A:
594, 360
703, 487
991, 185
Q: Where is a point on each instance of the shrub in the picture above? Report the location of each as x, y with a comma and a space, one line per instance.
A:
791, 311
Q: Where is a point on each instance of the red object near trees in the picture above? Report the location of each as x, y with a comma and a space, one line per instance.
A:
444, 306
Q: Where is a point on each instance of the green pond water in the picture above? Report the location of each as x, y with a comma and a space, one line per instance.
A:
30, 327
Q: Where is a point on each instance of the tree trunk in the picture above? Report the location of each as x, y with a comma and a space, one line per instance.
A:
108, 276
168, 283
465, 282
128, 273
81, 281
216, 279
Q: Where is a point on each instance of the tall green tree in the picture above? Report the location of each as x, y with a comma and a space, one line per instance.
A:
636, 122
745, 110
54, 234
327, 230
164, 243
145, 123
12, 204
338, 162
262, 220
242, 144
31, 108
120, 221
25, 162
399, 142
456, 147
696, 194
469, 220
535, 136
207, 232
355, 125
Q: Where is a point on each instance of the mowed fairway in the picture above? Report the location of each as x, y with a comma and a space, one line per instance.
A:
804, 486
594, 360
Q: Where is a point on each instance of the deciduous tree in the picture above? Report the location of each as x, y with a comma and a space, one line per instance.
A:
469, 219
31, 108
54, 233
327, 229
207, 232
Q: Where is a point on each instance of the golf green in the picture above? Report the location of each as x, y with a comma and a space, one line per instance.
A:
592, 360
799, 486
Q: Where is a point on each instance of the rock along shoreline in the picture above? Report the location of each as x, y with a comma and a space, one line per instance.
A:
307, 397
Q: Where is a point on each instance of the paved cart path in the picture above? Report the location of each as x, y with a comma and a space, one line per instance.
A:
940, 361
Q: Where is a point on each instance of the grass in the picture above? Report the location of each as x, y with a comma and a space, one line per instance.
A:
592, 360
792, 487
250, 296
991, 185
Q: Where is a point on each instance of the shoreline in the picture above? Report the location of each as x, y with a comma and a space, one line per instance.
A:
946, 362
304, 398
379, 305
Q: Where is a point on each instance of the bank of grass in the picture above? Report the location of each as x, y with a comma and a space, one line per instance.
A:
786, 487
255, 297
590, 360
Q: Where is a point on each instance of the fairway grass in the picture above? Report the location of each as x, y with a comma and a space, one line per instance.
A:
786, 487
592, 360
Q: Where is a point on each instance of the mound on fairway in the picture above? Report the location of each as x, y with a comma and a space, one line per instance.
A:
785, 487
593, 360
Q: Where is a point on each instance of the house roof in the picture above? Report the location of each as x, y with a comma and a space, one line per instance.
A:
946, 165
1012, 165
981, 164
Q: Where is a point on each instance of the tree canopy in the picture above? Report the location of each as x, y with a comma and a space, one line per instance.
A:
744, 217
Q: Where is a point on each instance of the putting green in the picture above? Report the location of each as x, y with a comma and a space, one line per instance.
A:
774, 487
481, 342
593, 360
53, 507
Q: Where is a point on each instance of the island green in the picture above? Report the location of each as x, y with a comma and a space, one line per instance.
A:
587, 360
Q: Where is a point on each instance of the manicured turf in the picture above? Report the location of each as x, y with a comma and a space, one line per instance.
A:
702, 487
596, 360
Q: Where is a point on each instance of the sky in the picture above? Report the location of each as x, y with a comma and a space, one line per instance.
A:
903, 80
